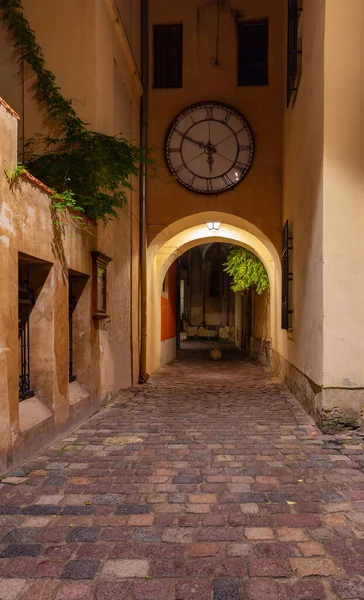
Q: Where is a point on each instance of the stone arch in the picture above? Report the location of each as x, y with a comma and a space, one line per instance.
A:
192, 231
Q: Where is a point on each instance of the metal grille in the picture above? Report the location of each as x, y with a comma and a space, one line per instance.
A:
25, 302
294, 11
168, 56
71, 308
286, 277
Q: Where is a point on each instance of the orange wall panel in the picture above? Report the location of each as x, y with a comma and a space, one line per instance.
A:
169, 306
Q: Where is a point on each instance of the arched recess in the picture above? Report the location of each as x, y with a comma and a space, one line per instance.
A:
192, 231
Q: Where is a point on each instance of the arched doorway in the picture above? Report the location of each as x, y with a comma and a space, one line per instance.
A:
176, 239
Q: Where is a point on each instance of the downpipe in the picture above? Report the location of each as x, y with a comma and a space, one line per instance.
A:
143, 376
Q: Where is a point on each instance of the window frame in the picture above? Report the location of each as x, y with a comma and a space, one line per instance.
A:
240, 29
294, 50
157, 83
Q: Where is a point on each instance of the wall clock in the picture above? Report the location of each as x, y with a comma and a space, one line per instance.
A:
209, 148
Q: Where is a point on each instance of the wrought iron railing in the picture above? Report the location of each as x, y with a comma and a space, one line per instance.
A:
25, 303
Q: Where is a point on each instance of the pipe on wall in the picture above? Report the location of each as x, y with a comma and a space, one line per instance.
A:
143, 192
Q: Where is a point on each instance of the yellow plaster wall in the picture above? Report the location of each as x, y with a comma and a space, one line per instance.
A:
258, 198
344, 200
303, 200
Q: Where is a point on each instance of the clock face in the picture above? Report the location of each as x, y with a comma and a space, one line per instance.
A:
209, 148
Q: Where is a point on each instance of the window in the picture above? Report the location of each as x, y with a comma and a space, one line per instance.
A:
286, 277
215, 284
99, 284
25, 305
294, 49
253, 53
168, 56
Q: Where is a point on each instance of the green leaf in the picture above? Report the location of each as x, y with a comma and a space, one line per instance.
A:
246, 270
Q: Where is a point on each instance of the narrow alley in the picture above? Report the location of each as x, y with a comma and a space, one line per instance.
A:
209, 482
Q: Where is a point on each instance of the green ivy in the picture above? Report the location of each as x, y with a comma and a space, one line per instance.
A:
13, 174
246, 270
95, 167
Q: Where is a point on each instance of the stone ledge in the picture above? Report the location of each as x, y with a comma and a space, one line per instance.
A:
77, 392
9, 109
32, 412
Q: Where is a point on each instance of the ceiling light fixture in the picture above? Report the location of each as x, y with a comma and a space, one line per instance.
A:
213, 226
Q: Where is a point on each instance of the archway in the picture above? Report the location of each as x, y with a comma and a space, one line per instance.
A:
192, 231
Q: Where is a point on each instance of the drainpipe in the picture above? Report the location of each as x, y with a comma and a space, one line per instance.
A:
143, 193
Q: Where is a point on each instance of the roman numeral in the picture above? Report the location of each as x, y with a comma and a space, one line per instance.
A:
209, 185
209, 113
175, 149
180, 168
191, 181
226, 179
240, 167
241, 148
227, 118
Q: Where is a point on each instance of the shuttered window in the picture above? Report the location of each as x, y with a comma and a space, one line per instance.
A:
253, 53
286, 277
168, 56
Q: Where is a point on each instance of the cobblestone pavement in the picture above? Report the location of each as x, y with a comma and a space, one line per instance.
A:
207, 483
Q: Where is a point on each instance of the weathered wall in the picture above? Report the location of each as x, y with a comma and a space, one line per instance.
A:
103, 46
51, 244
258, 197
343, 208
303, 206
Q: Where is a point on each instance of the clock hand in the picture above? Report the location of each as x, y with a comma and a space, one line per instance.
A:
224, 140
200, 144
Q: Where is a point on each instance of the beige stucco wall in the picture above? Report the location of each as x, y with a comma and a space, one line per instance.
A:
303, 203
258, 198
343, 207
103, 46
28, 228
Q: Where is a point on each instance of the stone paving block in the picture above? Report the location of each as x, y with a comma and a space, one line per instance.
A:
151, 590
133, 509
311, 549
226, 589
259, 533
349, 588
125, 568
306, 590
11, 588
33, 522
199, 550
306, 567
24, 535
41, 509
258, 589
81, 569
74, 591
83, 534
14, 480
193, 590
14, 550
112, 590
269, 567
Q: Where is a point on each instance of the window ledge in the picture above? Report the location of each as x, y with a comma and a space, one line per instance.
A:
77, 392
32, 411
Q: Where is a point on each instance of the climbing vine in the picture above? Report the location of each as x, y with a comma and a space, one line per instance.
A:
89, 170
246, 270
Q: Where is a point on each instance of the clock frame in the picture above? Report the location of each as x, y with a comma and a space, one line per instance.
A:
209, 148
